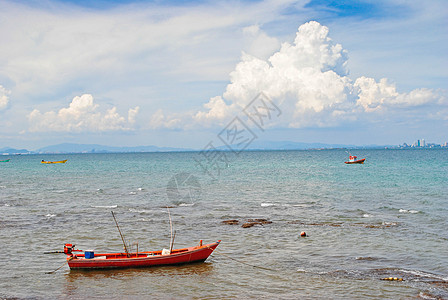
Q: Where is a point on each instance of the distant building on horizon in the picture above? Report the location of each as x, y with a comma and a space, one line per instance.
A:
421, 143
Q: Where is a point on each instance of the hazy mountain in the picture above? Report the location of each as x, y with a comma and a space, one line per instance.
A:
94, 148
13, 151
287, 145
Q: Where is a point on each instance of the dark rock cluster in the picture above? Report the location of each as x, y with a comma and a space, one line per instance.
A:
247, 223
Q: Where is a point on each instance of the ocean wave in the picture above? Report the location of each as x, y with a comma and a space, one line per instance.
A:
267, 204
104, 206
49, 216
295, 205
424, 274
132, 193
305, 205
186, 204
409, 211
426, 295
140, 211
389, 223
369, 258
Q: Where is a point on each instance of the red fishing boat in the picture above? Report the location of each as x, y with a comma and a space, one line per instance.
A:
354, 160
88, 260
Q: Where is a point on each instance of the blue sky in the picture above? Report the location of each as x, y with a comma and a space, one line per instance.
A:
176, 73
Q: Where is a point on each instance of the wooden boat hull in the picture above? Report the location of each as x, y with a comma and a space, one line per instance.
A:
359, 161
55, 162
141, 259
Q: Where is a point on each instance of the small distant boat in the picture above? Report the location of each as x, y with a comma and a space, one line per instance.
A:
90, 260
352, 159
6, 160
54, 162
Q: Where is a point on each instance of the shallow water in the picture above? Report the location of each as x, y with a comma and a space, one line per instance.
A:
386, 218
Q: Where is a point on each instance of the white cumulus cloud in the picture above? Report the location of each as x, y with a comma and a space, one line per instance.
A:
374, 95
258, 42
309, 81
160, 120
4, 98
82, 115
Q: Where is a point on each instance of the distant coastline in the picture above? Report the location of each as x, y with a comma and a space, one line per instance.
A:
68, 148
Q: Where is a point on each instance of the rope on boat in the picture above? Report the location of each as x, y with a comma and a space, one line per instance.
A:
51, 272
242, 262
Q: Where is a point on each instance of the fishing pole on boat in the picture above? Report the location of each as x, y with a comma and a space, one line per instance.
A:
172, 235
121, 235
172, 241
52, 252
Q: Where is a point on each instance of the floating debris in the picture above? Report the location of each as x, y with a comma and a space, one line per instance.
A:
392, 279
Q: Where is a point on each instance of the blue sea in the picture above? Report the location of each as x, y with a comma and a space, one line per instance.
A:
385, 218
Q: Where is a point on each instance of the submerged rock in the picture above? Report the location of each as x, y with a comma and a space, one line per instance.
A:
247, 223
231, 222
259, 221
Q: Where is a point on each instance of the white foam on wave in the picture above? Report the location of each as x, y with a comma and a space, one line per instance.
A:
7, 205
390, 223
366, 216
426, 296
132, 193
186, 204
411, 211
424, 274
50, 216
140, 189
267, 204
104, 206
140, 211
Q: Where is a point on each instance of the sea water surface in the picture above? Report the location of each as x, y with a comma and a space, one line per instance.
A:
385, 218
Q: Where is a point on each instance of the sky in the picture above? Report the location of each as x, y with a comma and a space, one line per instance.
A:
183, 73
